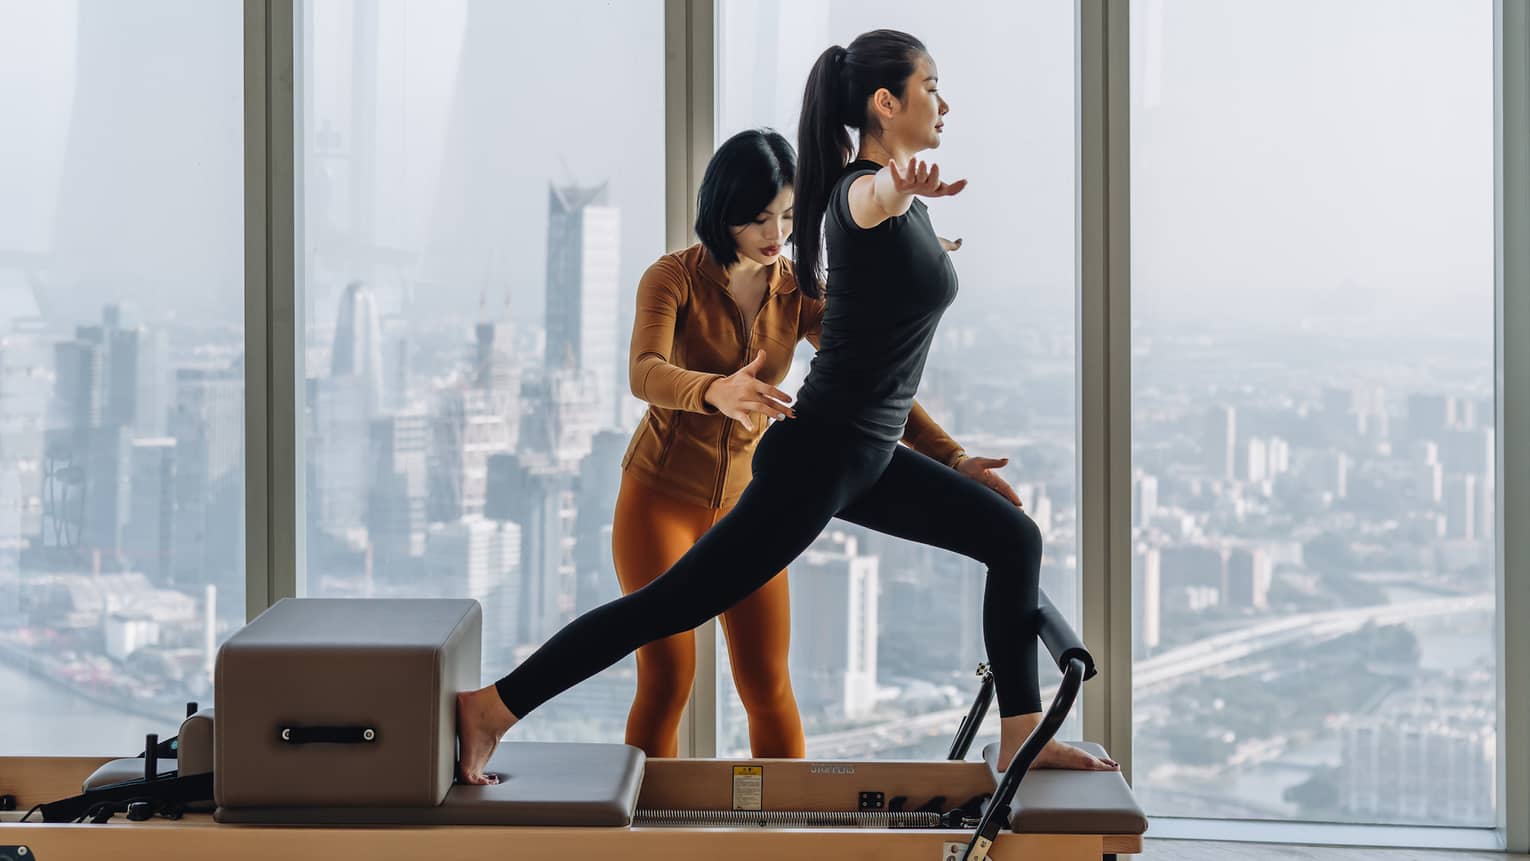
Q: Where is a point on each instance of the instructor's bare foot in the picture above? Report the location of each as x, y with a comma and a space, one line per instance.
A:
1057, 754
481, 719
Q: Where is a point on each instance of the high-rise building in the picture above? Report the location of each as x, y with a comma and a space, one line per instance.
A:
1466, 414
339, 475
104, 453
85, 488
1190, 573
149, 539
1461, 501
397, 383
1038, 505
15, 499
541, 500
583, 253
1432, 768
1424, 451
208, 426
1429, 482
496, 374
1249, 574
106, 388
1338, 401
478, 558
1485, 515
1326, 472
465, 433
1469, 452
25, 384
1147, 600
1221, 442
396, 519
1430, 415
1279, 452
109, 375
600, 476
1371, 417
562, 414
137, 374
25, 389
1145, 498
357, 350
834, 626
926, 588
1258, 461
79, 389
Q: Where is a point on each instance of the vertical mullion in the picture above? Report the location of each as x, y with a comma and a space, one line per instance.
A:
285, 358
688, 135
1118, 419
257, 586
273, 365
1103, 338
1511, 192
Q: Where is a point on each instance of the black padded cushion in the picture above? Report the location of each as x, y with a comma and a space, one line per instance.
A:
1056, 801
119, 770
540, 784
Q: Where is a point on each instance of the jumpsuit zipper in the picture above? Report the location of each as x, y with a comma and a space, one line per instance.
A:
722, 463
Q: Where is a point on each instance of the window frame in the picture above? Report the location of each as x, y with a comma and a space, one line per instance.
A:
274, 367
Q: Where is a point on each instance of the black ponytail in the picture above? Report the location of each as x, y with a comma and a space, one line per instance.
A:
823, 150
835, 101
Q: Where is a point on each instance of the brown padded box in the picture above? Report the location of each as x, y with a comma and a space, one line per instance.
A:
1058, 801
343, 702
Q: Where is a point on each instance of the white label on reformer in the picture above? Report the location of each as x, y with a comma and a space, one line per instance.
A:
748, 787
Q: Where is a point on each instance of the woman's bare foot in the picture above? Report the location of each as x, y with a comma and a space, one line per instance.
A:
1015, 729
481, 719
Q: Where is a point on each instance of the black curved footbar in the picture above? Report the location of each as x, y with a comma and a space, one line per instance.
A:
1077, 665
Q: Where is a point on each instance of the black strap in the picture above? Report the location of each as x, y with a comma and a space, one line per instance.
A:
327, 734
169, 787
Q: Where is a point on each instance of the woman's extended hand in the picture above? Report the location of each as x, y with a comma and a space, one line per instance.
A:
923, 180
982, 470
741, 393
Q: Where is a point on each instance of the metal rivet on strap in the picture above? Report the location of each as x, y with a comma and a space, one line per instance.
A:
369, 734
287, 734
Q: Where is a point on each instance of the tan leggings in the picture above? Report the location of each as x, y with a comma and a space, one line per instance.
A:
650, 532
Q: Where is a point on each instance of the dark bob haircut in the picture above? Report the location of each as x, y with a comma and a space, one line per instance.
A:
743, 177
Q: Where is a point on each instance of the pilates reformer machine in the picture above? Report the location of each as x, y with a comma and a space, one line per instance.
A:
334, 736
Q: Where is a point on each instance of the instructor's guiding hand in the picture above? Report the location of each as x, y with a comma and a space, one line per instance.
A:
982, 470
923, 180
948, 245
741, 393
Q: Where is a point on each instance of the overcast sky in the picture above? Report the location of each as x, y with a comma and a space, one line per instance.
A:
1279, 150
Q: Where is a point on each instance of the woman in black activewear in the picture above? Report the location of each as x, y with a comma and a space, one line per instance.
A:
889, 280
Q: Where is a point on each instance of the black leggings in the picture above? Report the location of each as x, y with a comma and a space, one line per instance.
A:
805, 473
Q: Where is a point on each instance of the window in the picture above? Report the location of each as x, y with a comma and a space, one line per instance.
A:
1312, 342
482, 185
121, 367
886, 633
